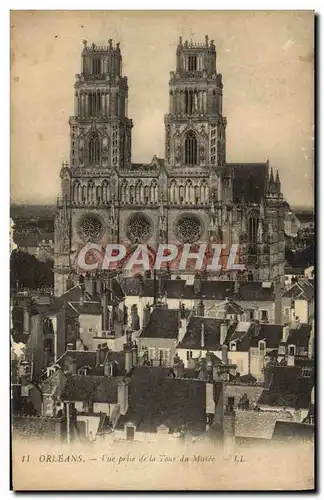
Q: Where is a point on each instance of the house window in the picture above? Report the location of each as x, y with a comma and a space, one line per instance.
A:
87, 406
230, 404
250, 314
262, 346
306, 372
189, 355
291, 350
130, 433
153, 353
164, 357
264, 315
239, 363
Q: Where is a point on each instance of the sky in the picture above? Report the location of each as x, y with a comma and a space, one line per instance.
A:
266, 59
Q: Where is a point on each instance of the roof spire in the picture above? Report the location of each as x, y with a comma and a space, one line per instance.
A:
271, 179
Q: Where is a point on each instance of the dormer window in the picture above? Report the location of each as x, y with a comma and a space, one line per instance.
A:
264, 315
291, 350
233, 346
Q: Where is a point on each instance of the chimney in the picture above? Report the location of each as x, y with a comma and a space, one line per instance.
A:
236, 286
285, 333
93, 287
210, 403
134, 318
229, 426
268, 376
154, 287
123, 396
225, 354
278, 306
202, 338
105, 310
161, 286
146, 315
311, 343
201, 309
71, 365
135, 354
26, 319
128, 351
223, 333
82, 297
197, 285
98, 354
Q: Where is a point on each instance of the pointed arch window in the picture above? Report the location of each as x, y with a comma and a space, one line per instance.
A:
191, 156
84, 194
94, 149
99, 194
146, 194
90, 194
197, 194
76, 191
138, 192
105, 191
172, 191
253, 227
154, 192
123, 191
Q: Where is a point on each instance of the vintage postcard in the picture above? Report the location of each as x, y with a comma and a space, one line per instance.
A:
162, 299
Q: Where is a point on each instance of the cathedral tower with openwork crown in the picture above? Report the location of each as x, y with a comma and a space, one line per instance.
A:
191, 196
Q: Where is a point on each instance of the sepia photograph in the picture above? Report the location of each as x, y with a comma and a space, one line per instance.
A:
162, 250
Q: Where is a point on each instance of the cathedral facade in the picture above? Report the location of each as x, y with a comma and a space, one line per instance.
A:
191, 196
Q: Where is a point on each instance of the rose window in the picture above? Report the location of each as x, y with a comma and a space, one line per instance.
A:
91, 228
139, 228
189, 229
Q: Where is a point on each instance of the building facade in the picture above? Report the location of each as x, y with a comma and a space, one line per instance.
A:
192, 195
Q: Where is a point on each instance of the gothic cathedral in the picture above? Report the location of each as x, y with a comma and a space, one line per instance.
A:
192, 195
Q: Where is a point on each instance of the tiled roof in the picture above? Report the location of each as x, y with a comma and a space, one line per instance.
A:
163, 323
237, 390
205, 289
98, 389
301, 290
192, 338
249, 184
82, 358
300, 336
25, 239
288, 387
254, 291
88, 307
255, 424
72, 295
217, 290
54, 384
292, 430
155, 400
271, 334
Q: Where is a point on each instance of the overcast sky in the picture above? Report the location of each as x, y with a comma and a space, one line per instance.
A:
266, 59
